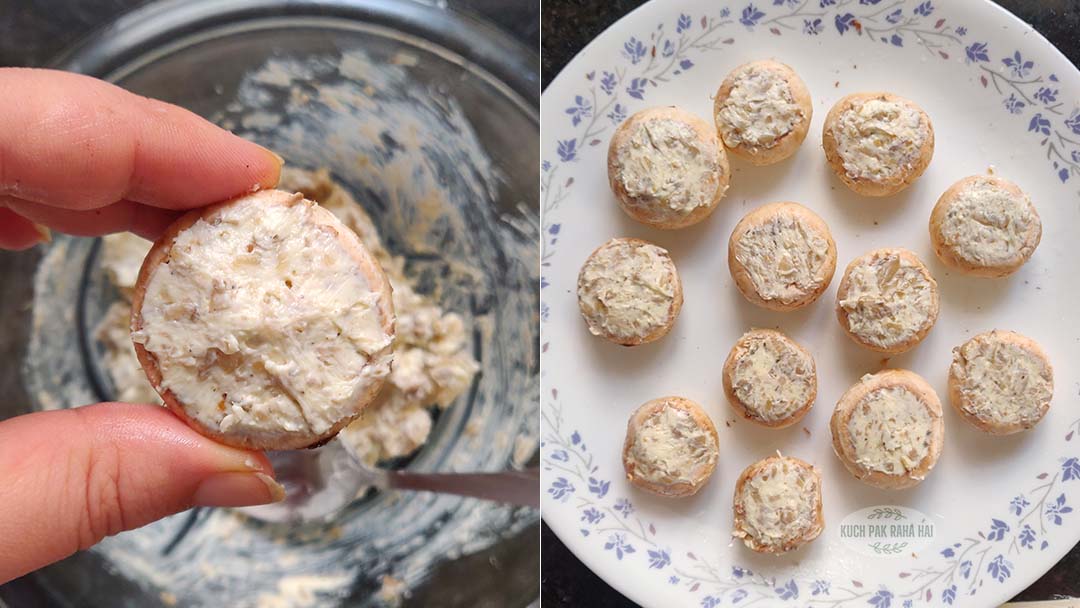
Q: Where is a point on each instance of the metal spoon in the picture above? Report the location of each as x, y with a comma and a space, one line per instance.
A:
320, 482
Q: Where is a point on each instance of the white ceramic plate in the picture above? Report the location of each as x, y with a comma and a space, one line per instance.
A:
1001, 508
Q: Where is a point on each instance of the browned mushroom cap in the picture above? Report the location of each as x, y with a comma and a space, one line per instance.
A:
763, 111
1001, 382
877, 143
888, 430
887, 300
671, 447
778, 505
629, 292
667, 167
985, 226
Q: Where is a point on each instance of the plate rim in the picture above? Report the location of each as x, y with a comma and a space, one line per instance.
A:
983, 9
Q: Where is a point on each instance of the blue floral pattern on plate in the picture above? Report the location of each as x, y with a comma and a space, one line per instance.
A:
961, 567
964, 566
665, 54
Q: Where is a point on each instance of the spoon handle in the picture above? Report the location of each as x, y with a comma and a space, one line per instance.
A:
513, 487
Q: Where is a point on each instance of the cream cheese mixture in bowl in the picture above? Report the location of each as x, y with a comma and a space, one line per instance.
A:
416, 126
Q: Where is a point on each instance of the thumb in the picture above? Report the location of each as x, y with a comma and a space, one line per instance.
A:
70, 478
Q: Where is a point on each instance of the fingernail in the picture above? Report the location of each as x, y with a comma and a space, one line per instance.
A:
238, 490
280, 163
277, 491
44, 234
275, 155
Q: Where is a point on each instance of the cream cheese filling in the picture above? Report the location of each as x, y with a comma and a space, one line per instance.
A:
248, 337
783, 257
779, 503
670, 447
627, 289
759, 110
772, 379
432, 366
664, 165
878, 140
986, 225
1003, 383
890, 431
888, 300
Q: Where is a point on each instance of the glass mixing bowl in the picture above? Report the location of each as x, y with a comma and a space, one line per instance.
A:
430, 119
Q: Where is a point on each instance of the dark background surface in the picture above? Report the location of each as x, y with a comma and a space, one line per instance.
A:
566, 27
32, 32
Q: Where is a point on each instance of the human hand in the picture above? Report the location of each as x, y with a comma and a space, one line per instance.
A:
84, 157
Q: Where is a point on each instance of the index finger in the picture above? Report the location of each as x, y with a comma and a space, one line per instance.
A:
77, 142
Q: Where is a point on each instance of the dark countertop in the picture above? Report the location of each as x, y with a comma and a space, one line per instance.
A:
35, 32
566, 27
